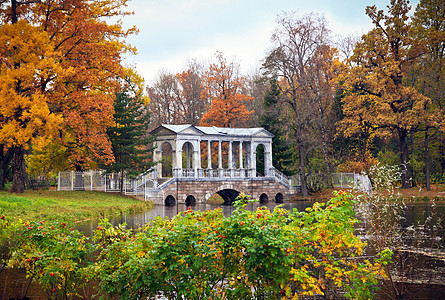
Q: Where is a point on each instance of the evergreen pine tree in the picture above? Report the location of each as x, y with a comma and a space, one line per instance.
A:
270, 120
129, 134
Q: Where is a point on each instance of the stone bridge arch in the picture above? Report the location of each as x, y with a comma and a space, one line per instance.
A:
193, 191
227, 191
228, 195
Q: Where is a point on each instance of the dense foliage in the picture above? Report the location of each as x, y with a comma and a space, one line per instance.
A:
204, 255
128, 133
59, 61
334, 104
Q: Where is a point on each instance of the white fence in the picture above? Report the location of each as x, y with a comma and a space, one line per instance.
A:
100, 181
352, 180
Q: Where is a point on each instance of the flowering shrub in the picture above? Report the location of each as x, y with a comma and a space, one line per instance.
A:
52, 253
248, 255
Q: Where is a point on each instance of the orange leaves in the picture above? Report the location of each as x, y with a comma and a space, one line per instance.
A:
26, 52
60, 73
224, 87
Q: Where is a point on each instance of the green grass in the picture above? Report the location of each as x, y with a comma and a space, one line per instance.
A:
77, 205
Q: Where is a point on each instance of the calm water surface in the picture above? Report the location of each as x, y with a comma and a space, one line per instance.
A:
137, 219
414, 213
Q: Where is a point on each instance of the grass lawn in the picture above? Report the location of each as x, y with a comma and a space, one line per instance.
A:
77, 205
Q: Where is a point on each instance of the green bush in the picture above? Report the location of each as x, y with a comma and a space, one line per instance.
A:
248, 255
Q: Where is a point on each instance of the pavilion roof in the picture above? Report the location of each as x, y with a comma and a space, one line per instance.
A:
224, 131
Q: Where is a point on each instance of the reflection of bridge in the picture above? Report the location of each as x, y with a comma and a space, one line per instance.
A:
203, 161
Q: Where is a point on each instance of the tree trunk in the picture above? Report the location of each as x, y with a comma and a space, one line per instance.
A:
121, 179
404, 158
410, 167
304, 191
79, 182
5, 160
18, 163
427, 160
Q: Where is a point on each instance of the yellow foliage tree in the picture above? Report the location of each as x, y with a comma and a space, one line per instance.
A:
26, 52
378, 95
60, 60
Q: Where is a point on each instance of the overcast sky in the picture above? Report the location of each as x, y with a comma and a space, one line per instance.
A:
174, 31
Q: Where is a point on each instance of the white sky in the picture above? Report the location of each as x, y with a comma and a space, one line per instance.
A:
174, 31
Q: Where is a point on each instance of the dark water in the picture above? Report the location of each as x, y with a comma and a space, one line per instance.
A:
415, 214
138, 219
418, 213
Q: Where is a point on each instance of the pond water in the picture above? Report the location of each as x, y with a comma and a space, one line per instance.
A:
138, 219
414, 214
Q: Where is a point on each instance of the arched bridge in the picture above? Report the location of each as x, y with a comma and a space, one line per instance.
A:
199, 190
197, 162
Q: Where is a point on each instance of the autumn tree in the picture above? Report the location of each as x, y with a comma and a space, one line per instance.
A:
302, 62
427, 75
129, 133
258, 87
59, 61
378, 92
164, 94
225, 89
354, 141
24, 112
193, 106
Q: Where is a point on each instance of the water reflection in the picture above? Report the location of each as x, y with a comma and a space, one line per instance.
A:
415, 214
138, 219
418, 213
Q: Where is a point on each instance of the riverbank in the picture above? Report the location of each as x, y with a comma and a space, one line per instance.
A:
412, 195
78, 205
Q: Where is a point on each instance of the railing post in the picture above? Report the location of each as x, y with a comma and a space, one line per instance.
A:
72, 180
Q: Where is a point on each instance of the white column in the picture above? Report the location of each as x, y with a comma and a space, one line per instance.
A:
178, 161
219, 155
253, 159
230, 155
241, 154
209, 155
157, 157
197, 159
269, 157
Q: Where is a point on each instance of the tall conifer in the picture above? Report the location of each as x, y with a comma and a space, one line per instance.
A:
129, 134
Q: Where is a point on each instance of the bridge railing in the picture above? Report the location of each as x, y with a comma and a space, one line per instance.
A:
280, 176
